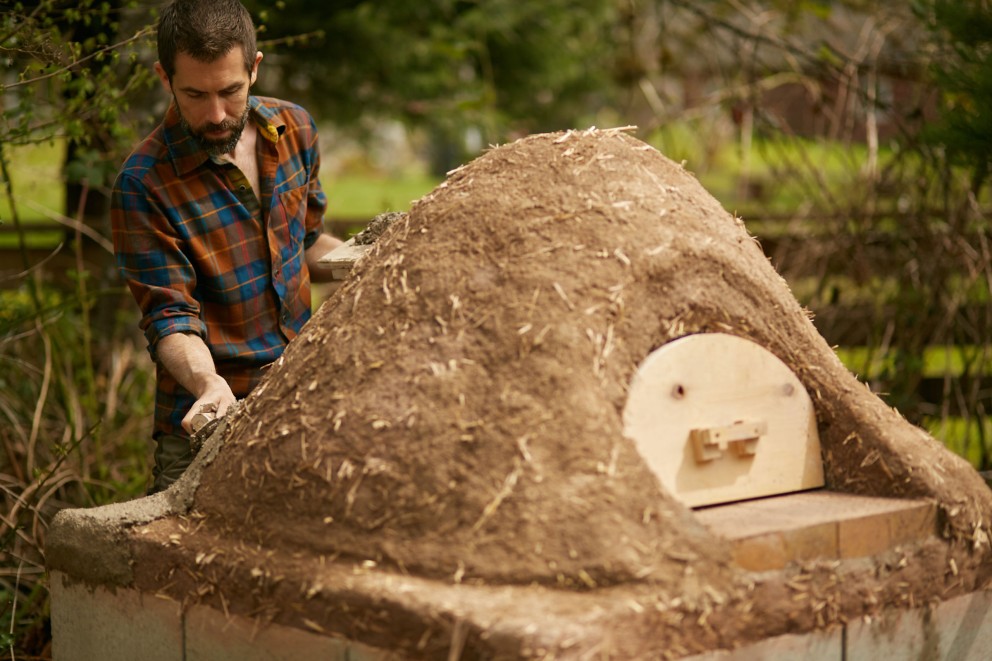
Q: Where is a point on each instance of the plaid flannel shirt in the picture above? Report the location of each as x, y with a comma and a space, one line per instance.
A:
202, 254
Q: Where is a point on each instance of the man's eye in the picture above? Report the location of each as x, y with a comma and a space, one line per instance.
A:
194, 95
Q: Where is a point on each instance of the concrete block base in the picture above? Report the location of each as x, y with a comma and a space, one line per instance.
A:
819, 646
956, 630
100, 624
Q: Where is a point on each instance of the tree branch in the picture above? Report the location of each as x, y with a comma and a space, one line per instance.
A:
106, 49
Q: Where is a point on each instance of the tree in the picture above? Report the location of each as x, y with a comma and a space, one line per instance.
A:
500, 66
68, 74
76, 71
888, 239
961, 66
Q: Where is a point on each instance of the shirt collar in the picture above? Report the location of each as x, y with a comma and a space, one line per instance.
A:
186, 153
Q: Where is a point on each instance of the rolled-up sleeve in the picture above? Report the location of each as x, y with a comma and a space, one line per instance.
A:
151, 261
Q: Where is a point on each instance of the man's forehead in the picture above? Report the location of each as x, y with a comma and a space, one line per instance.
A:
219, 72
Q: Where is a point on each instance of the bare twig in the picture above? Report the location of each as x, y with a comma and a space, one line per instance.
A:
74, 224
42, 398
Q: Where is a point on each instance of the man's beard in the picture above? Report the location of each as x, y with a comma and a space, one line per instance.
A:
217, 147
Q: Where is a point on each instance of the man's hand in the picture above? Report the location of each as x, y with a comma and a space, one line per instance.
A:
324, 244
213, 403
188, 359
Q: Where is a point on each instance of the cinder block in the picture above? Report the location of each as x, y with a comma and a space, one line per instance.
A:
893, 634
964, 625
99, 624
816, 646
955, 630
213, 636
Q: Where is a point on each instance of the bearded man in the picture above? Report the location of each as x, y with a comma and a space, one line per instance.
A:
217, 223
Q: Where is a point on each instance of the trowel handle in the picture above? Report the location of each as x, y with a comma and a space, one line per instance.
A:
201, 419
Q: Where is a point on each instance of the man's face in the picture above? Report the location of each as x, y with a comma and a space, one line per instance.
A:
212, 98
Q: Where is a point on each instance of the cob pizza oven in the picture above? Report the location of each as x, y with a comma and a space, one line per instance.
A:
563, 408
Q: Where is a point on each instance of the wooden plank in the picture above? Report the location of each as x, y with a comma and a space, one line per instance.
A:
343, 258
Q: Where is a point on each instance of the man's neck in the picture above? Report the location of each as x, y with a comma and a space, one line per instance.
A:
245, 156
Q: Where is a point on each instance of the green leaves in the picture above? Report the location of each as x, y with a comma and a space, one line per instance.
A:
962, 69
89, 166
70, 73
495, 65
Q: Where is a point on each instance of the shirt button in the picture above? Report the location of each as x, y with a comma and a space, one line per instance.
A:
242, 188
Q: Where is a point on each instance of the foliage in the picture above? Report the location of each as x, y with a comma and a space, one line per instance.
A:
962, 68
891, 243
497, 66
74, 392
73, 432
75, 76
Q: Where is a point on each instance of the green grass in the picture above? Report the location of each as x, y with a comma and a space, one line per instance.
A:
970, 438
937, 361
37, 181
364, 196
38, 185
33, 239
785, 173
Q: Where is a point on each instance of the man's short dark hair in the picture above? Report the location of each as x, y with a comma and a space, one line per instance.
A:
205, 30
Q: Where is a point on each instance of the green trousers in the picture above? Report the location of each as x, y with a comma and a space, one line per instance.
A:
173, 456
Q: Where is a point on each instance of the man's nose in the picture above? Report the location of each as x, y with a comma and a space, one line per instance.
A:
215, 110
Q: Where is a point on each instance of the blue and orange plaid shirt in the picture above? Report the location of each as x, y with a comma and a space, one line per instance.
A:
202, 254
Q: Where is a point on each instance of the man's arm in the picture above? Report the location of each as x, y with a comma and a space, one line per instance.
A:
188, 359
324, 244
161, 278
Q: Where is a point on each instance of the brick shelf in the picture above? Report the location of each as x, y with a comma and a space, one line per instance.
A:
768, 533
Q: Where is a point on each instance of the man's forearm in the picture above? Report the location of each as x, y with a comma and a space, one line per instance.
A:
188, 360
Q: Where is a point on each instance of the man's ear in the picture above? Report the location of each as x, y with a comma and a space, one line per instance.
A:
254, 67
164, 77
